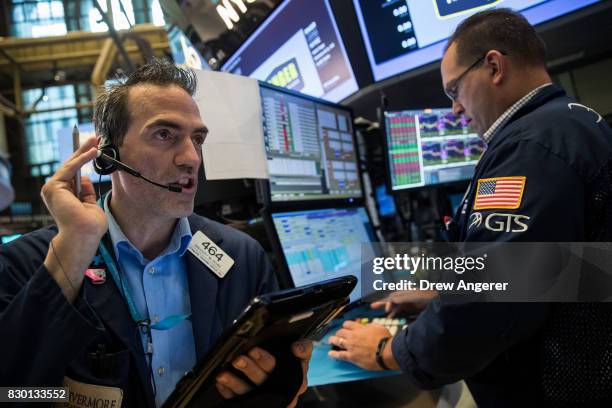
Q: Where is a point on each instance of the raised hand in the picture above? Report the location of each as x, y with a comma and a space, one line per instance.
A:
81, 222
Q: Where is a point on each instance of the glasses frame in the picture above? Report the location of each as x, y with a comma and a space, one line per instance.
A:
451, 90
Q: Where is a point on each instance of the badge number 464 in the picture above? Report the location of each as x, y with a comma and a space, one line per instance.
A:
212, 250
211, 255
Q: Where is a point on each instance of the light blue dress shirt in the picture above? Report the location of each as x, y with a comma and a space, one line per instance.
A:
160, 289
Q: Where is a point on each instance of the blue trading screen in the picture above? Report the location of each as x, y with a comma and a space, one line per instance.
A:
386, 205
324, 244
428, 147
447, 8
183, 51
298, 47
400, 35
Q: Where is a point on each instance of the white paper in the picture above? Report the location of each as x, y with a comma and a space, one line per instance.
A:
230, 106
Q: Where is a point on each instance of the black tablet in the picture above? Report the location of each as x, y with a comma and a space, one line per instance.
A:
270, 320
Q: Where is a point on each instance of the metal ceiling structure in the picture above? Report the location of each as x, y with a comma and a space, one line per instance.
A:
80, 56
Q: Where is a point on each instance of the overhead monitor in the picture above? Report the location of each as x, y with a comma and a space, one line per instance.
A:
324, 244
183, 51
429, 147
401, 35
309, 147
300, 48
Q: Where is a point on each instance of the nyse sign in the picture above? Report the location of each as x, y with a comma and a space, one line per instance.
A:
228, 11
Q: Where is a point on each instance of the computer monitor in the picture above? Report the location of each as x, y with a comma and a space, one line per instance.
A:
455, 201
183, 51
430, 147
400, 35
386, 204
309, 146
300, 48
326, 243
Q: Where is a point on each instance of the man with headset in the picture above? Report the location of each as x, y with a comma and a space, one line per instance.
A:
559, 153
147, 308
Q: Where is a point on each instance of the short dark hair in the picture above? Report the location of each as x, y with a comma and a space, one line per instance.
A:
499, 29
111, 115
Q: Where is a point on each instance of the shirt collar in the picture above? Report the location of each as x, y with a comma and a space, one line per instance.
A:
507, 115
179, 241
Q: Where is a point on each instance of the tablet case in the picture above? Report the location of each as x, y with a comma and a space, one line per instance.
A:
273, 322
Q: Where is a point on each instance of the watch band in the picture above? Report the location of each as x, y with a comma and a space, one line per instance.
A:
379, 358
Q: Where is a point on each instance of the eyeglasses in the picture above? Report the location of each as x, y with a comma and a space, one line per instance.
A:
452, 88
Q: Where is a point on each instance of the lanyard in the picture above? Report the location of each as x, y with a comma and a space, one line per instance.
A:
166, 324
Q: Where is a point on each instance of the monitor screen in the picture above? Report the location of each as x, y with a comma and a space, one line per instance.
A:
298, 47
400, 35
455, 201
428, 147
386, 205
309, 147
324, 244
183, 51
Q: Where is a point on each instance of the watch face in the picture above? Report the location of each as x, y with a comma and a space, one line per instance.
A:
450, 8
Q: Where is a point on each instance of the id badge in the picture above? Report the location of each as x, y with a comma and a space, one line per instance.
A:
210, 254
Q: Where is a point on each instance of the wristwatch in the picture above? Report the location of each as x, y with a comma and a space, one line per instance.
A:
379, 350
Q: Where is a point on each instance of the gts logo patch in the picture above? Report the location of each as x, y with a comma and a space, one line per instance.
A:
498, 222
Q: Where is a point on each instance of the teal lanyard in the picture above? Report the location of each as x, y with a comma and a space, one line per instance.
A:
166, 324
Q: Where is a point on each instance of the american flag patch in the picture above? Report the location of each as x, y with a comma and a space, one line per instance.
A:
499, 192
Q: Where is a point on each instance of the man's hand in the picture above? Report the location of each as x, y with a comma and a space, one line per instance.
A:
359, 343
303, 351
257, 366
80, 221
405, 302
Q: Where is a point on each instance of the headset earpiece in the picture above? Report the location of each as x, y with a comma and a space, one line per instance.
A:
106, 165
102, 166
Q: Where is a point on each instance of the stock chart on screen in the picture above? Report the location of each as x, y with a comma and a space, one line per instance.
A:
429, 147
309, 148
324, 244
400, 35
298, 47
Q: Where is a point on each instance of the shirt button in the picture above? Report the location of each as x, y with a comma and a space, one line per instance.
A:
151, 270
161, 371
156, 319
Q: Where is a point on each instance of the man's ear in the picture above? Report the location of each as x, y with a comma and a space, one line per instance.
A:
498, 66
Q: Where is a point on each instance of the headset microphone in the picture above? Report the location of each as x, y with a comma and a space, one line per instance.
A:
175, 187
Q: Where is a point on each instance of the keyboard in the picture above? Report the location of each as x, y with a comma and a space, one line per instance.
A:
393, 325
